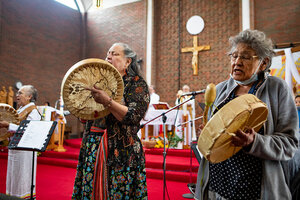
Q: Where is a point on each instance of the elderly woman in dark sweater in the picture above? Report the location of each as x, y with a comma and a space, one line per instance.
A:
258, 170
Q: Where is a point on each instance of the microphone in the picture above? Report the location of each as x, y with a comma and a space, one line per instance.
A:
194, 93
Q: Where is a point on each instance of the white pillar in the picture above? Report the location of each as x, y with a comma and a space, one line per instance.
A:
149, 40
245, 14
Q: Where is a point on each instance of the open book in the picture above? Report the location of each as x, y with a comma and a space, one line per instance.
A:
161, 106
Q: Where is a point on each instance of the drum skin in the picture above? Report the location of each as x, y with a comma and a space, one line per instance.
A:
86, 74
9, 114
214, 141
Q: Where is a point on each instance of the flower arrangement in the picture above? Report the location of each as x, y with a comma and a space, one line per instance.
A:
160, 142
173, 139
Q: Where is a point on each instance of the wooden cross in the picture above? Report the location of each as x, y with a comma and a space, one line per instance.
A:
195, 49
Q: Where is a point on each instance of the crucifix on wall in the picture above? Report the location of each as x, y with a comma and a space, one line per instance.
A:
194, 26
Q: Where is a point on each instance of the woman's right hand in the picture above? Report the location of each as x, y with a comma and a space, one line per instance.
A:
100, 96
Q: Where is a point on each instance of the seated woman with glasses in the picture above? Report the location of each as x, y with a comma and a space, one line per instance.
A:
258, 170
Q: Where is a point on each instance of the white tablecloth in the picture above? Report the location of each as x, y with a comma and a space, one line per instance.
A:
172, 116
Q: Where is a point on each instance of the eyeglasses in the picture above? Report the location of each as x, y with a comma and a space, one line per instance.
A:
19, 93
244, 58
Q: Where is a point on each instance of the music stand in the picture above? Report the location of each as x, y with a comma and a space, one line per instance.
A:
164, 119
32, 136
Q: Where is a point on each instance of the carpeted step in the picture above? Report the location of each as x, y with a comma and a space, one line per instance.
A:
170, 152
74, 143
3, 149
172, 175
69, 155
174, 189
174, 163
57, 162
3, 155
50, 161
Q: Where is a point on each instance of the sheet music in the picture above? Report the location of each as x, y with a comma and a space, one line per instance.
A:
35, 134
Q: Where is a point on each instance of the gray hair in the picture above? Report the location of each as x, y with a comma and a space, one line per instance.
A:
152, 86
30, 90
186, 86
258, 41
134, 67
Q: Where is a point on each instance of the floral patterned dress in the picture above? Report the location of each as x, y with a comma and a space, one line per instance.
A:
83, 186
126, 174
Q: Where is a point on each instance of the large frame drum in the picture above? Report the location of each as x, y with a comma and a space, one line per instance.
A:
86, 74
9, 114
214, 141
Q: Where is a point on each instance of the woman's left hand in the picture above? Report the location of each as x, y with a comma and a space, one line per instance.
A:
244, 138
99, 95
4, 124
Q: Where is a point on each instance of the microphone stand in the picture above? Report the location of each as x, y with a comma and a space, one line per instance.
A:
190, 121
190, 195
164, 119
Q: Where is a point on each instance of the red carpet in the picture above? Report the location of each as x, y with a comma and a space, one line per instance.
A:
56, 172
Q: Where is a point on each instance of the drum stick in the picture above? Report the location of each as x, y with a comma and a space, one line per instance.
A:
210, 96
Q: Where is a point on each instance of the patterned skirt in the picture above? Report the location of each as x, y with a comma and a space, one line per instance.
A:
128, 183
83, 186
121, 182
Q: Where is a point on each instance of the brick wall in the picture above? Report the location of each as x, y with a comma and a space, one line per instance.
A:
125, 23
40, 41
174, 69
279, 19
